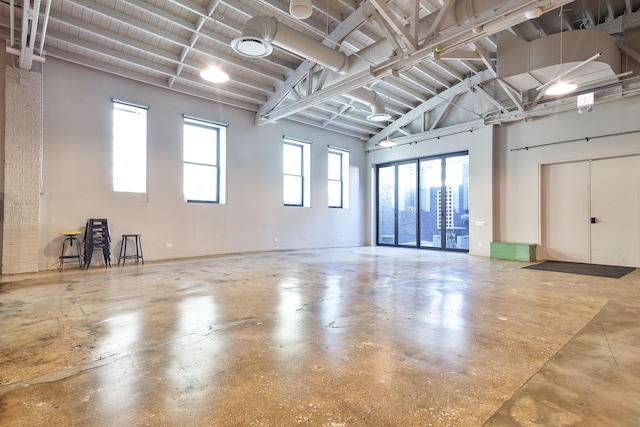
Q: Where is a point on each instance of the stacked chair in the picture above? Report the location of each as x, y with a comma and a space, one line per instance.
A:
97, 237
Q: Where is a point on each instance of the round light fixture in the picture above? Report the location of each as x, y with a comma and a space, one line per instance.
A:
214, 75
251, 46
387, 143
560, 88
300, 9
379, 117
533, 13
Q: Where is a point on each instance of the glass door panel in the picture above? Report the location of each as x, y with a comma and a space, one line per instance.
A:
456, 202
407, 215
430, 187
387, 205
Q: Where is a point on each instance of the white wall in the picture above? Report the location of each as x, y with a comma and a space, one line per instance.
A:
77, 175
518, 172
479, 143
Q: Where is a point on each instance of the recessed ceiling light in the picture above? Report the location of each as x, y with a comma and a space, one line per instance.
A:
214, 75
560, 88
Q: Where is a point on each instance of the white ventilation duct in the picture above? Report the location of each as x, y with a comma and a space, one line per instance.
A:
370, 98
528, 65
261, 31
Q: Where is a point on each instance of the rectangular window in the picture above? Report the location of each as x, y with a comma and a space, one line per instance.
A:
296, 171
338, 174
129, 148
204, 156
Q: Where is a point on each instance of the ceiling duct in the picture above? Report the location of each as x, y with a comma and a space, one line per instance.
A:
528, 65
260, 32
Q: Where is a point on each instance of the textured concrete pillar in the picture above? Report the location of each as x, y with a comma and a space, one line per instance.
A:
22, 171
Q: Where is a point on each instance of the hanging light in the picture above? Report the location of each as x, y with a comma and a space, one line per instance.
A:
560, 88
387, 143
214, 75
300, 9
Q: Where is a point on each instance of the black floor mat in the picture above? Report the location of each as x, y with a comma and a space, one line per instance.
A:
586, 269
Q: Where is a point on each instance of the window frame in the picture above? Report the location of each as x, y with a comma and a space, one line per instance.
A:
344, 177
305, 171
220, 154
120, 184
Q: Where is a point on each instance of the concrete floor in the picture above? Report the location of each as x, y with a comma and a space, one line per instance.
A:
344, 337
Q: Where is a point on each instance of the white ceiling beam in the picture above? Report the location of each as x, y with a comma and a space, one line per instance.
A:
214, 95
417, 82
428, 73
390, 18
390, 35
94, 7
442, 13
352, 22
430, 104
153, 67
445, 111
481, 90
492, 69
453, 73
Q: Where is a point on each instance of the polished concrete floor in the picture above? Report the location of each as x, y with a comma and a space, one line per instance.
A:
344, 337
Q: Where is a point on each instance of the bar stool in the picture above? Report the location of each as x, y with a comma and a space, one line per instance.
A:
123, 248
70, 238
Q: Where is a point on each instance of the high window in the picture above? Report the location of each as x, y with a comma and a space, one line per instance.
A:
204, 161
129, 148
296, 171
338, 174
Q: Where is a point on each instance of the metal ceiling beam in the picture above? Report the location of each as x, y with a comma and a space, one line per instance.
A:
492, 69
430, 104
161, 53
445, 111
133, 75
153, 67
442, 13
389, 17
341, 31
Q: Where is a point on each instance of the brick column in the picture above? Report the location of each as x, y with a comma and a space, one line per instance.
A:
22, 171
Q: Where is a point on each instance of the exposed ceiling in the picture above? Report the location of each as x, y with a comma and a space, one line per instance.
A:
431, 63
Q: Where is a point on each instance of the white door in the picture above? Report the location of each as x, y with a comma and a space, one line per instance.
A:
565, 212
614, 208
590, 211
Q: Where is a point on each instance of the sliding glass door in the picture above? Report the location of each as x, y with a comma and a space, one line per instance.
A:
425, 203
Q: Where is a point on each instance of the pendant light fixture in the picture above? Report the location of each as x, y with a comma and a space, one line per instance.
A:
560, 87
300, 9
388, 143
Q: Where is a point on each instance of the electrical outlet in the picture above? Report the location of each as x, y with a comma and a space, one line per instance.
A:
169, 245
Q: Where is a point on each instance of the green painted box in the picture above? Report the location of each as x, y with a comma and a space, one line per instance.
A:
513, 251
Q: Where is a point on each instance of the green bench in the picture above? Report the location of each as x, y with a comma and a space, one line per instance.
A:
513, 251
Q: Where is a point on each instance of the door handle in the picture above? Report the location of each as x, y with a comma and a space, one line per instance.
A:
593, 220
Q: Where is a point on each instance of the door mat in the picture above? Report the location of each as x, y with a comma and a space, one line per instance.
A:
612, 271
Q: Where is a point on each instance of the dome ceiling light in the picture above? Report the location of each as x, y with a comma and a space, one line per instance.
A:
214, 75
300, 9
